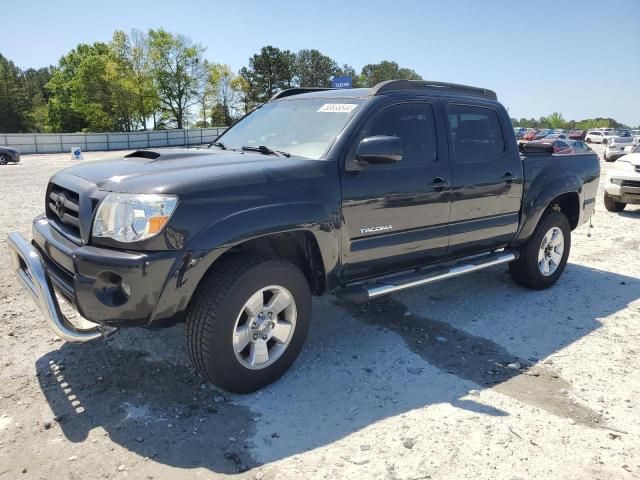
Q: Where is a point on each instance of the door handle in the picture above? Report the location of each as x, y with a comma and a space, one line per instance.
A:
439, 183
508, 177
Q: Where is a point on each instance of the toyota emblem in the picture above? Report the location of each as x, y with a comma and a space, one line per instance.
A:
60, 201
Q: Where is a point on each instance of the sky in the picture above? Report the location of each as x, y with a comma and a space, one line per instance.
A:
580, 58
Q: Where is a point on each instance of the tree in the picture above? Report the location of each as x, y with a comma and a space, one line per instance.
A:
132, 54
373, 74
555, 120
225, 92
82, 91
176, 68
247, 91
269, 71
35, 81
14, 103
313, 69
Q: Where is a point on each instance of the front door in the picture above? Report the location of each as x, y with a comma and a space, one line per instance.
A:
487, 179
395, 216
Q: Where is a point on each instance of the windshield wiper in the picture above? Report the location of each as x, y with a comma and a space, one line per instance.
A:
266, 151
220, 145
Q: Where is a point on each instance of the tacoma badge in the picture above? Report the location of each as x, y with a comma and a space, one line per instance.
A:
379, 228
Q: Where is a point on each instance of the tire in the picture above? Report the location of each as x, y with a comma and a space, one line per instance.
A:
588, 140
604, 141
3, 160
219, 309
611, 205
526, 270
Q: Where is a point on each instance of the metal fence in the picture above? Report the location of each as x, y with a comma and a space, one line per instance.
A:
64, 142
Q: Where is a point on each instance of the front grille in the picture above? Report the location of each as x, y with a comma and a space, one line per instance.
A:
63, 209
631, 183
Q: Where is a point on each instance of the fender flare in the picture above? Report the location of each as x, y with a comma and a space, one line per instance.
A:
538, 198
216, 239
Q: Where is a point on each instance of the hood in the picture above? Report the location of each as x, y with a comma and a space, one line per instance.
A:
171, 170
633, 158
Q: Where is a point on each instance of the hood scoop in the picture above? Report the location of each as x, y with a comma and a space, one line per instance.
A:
146, 154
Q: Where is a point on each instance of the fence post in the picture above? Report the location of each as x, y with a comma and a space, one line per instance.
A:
108, 144
148, 141
61, 145
200, 136
167, 133
35, 142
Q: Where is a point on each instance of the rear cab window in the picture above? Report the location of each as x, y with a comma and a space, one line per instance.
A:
475, 133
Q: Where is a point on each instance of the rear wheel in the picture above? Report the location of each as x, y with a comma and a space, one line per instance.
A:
3, 160
611, 205
248, 321
544, 256
588, 140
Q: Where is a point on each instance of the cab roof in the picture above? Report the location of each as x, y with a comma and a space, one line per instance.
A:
388, 87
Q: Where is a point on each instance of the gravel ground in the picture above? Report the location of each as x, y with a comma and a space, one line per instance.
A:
414, 386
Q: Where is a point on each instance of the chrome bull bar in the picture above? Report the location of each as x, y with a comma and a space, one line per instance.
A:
27, 263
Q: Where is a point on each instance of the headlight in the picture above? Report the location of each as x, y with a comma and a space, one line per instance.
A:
129, 217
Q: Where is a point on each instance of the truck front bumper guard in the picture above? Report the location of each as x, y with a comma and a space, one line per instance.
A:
32, 273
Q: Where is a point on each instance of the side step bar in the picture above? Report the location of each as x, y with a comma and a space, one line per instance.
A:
363, 292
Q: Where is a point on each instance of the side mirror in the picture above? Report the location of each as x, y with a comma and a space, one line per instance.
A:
379, 150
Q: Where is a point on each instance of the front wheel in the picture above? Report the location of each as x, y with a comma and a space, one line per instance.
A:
3, 160
544, 256
248, 321
611, 205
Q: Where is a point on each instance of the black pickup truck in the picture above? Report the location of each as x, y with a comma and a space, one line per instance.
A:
360, 192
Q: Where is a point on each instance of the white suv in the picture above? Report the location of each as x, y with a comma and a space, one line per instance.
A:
594, 136
615, 147
623, 182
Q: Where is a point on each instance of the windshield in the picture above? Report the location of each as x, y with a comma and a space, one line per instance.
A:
302, 127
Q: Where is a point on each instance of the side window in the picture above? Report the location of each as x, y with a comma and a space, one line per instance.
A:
414, 125
475, 133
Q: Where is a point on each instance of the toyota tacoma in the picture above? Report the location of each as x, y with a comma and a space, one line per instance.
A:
355, 192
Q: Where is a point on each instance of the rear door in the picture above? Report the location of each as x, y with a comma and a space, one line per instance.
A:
395, 216
487, 178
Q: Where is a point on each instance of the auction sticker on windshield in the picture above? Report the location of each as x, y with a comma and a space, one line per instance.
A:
338, 107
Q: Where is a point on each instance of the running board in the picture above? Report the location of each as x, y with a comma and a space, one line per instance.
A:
363, 292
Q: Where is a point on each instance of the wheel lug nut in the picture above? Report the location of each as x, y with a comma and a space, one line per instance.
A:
260, 315
254, 325
270, 314
255, 336
264, 337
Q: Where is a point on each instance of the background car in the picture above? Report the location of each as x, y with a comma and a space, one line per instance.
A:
579, 146
623, 182
577, 134
615, 147
560, 147
553, 136
543, 133
8, 154
519, 131
531, 134
594, 136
